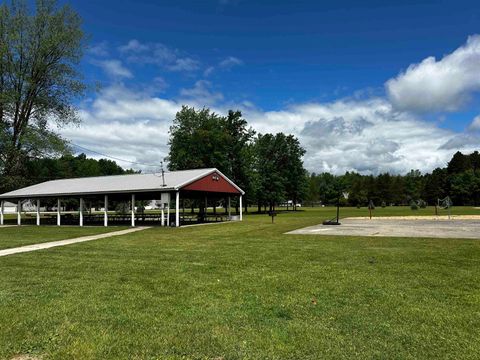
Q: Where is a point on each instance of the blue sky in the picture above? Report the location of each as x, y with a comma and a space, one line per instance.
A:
383, 87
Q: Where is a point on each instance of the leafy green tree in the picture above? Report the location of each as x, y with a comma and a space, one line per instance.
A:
239, 153
294, 172
358, 194
475, 161
435, 186
268, 165
39, 80
459, 163
413, 185
384, 186
464, 187
327, 188
198, 140
201, 138
313, 195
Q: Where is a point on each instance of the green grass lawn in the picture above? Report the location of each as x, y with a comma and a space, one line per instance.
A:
244, 291
26, 235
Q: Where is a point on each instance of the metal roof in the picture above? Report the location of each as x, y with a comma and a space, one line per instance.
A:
174, 180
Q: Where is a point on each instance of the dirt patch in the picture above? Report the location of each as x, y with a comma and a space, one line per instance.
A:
25, 357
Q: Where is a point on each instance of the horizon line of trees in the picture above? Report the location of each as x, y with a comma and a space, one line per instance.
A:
459, 180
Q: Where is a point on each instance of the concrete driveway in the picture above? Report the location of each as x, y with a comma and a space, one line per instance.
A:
427, 228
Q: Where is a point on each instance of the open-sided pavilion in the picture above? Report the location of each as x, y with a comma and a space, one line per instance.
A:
198, 185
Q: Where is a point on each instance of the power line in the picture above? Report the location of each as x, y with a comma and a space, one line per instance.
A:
111, 157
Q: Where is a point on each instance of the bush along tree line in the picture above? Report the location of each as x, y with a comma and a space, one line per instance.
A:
460, 180
268, 167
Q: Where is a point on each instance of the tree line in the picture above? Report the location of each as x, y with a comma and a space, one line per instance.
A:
459, 180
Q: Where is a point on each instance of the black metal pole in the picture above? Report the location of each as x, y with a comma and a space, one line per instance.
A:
338, 208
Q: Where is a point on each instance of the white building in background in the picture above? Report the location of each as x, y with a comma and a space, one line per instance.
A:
11, 208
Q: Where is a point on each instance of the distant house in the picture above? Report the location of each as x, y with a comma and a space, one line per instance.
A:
11, 208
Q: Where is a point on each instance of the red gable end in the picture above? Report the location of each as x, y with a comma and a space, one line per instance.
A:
213, 182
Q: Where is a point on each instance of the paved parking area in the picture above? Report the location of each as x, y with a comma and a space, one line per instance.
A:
427, 228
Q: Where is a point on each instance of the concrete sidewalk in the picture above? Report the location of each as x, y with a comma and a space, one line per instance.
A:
48, 245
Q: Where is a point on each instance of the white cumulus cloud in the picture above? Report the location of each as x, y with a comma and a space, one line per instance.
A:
438, 85
230, 62
475, 125
367, 136
158, 54
225, 64
113, 68
201, 94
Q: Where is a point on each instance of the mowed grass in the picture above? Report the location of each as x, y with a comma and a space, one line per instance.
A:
243, 291
26, 235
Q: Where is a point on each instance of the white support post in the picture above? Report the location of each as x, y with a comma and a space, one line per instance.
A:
105, 211
133, 210
19, 212
2, 211
241, 209
80, 213
38, 212
163, 216
59, 221
229, 210
168, 212
177, 209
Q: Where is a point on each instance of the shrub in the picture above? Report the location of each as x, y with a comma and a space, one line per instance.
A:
413, 205
122, 208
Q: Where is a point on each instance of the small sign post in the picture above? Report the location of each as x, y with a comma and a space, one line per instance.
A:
272, 214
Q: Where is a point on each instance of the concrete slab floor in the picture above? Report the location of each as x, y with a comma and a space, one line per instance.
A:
419, 228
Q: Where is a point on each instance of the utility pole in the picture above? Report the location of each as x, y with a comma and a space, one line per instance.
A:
163, 174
